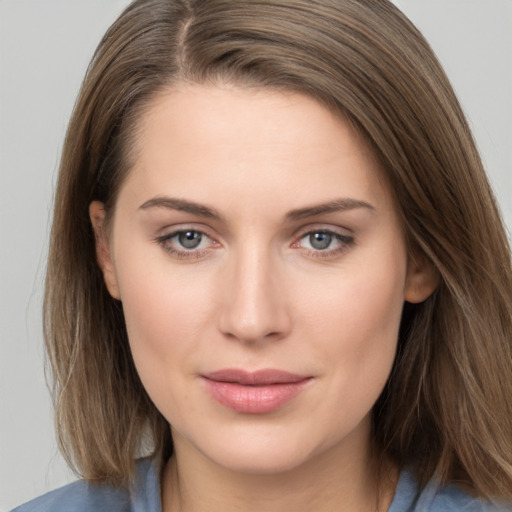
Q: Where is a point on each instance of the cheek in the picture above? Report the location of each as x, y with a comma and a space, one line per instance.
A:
163, 309
163, 312
163, 323
367, 295
356, 317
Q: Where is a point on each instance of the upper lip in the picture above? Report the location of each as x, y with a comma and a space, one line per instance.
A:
257, 378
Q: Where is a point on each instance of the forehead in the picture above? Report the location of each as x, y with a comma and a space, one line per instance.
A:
228, 113
198, 140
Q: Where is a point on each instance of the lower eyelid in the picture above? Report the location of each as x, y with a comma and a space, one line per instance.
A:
344, 243
340, 248
166, 243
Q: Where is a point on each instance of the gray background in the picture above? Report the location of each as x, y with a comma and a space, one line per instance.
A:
45, 46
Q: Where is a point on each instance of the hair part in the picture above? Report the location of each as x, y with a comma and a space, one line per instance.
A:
446, 410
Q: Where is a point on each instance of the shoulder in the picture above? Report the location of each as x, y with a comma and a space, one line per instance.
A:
77, 497
438, 498
83, 496
451, 498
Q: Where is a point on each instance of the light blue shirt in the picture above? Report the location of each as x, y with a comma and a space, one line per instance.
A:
82, 496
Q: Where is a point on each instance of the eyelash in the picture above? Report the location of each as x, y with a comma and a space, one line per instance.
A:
344, 243
165, 242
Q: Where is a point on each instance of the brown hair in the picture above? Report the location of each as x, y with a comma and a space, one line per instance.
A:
447, 407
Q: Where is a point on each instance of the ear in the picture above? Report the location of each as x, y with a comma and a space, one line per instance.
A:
422, 279
97, 216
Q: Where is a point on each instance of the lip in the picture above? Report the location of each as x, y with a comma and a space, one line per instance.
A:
256, 392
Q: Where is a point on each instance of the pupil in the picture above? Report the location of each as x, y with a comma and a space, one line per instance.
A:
189, 239
320, 240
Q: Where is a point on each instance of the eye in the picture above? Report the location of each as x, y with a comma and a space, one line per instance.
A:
189, 239
186, 243
320, 241
323, 243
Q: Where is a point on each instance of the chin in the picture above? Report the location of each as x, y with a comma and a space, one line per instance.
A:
262, 461
265, 450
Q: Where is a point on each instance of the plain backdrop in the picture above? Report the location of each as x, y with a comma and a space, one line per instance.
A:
45, 46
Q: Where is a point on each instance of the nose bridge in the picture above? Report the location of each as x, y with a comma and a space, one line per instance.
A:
254, 307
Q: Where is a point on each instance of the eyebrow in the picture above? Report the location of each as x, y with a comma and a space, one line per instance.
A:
181, 205
337, 205
200, 210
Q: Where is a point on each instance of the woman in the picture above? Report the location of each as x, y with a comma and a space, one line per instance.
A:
276, 270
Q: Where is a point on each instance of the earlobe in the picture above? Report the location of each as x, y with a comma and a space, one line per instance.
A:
97, 216
422, 279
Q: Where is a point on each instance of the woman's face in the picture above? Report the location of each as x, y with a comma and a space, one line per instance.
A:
262, 271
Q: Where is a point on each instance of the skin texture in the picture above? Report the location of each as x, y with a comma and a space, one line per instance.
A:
257, 293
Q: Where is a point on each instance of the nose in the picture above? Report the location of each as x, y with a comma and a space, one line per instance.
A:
254, 305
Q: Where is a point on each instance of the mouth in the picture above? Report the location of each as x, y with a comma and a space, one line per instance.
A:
257, 392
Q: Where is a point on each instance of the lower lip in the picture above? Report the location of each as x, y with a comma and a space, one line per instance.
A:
254, 399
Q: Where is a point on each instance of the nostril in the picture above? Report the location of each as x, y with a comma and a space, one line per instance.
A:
255, 325
253, 307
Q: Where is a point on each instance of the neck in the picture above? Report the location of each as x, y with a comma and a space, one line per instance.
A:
334, 481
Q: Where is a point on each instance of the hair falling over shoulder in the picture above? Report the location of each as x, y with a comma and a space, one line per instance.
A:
446, 410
